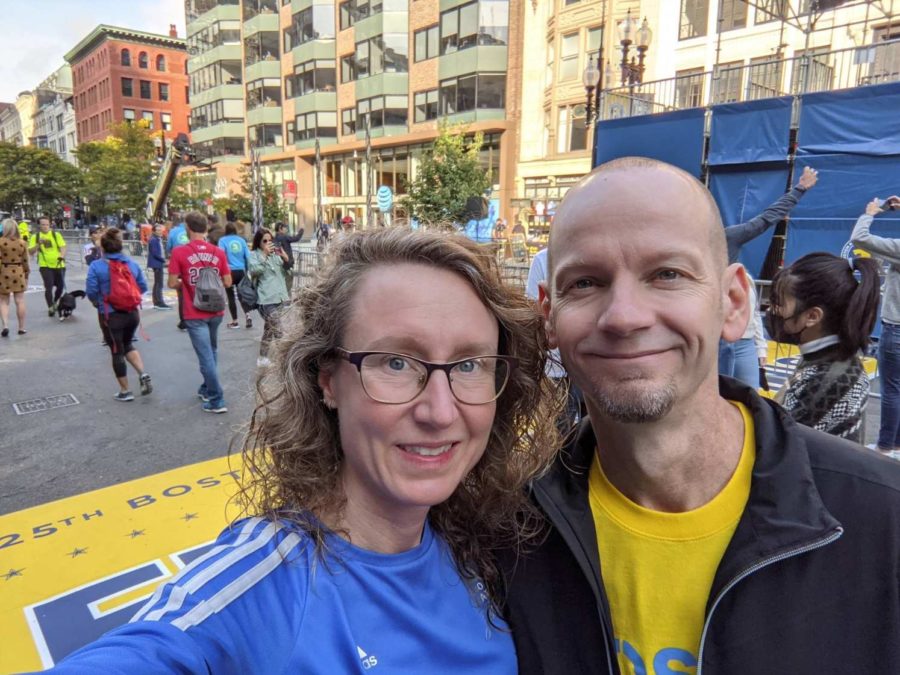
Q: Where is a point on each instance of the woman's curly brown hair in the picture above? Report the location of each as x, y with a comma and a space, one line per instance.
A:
292, 451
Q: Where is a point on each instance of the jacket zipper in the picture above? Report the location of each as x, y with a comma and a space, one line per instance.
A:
611, 653
755, 568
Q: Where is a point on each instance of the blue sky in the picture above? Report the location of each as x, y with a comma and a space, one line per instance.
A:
37, 33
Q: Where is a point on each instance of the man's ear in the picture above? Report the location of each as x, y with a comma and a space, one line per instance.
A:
736, 302
544, 303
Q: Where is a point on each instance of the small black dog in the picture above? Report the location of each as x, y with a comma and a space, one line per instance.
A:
66, 304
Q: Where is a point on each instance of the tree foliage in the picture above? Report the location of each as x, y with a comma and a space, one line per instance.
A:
118, 172
274, 209
35, 179
186, 194
448, 176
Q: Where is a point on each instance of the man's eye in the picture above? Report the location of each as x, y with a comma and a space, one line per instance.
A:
668, 275
582, 283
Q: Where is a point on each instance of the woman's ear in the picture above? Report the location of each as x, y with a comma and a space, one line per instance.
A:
326, 384
814, 316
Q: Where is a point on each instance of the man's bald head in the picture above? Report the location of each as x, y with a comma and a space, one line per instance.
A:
651, 175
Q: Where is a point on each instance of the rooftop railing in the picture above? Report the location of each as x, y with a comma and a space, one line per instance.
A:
764, 78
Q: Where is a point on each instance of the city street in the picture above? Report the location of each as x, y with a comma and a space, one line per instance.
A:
98, 442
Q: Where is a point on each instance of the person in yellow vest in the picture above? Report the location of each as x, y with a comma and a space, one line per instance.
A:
24, 230
50, 248
694, 527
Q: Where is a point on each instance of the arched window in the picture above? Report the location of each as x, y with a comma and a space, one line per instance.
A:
161, 63
143, 60
126, 57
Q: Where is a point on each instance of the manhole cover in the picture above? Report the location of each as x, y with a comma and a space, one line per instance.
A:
42, 404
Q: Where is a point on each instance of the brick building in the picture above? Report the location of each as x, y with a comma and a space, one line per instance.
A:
120, 74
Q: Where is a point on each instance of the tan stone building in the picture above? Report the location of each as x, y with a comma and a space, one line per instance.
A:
314, 70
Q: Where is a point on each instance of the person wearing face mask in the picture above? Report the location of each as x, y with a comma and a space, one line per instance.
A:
828, 307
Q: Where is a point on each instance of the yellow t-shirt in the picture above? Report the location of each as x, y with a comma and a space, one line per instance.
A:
48, 248
658, 567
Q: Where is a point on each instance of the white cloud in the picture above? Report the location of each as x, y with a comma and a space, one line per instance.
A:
37, 34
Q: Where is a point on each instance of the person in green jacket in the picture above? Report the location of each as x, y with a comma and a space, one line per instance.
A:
266, 270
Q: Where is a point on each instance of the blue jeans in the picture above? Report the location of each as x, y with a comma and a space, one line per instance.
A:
739, 360
204, 335
889, 372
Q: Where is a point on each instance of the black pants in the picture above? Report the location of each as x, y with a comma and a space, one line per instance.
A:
158, 275
54, 284
233, 297
271, 314
118, 330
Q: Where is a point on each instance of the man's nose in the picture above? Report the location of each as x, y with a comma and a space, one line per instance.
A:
626, 308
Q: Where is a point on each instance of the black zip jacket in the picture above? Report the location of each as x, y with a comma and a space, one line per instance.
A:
810, 582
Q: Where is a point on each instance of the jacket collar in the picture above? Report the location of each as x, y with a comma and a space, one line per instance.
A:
784, 509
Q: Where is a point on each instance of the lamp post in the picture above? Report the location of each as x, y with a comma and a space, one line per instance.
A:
641, 37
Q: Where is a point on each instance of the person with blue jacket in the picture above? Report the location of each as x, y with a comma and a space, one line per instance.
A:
235, 247
156, 261
178, 236
118, 323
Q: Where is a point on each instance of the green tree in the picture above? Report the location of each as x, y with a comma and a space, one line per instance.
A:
448, 176
186, 194
118, 172
35, 179
274, 209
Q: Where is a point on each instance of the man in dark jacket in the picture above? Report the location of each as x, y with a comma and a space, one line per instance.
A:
283, 240
692, 525
156, 261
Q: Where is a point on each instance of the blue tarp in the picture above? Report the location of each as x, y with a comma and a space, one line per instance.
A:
755, 131
743, 194
675, 137
863, 121
825, 217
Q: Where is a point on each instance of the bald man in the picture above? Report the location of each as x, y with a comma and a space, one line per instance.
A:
693, 527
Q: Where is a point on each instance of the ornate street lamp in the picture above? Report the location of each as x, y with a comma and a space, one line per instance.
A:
640, 37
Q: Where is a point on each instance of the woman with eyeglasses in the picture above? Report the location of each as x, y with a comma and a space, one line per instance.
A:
265, 267
385, 464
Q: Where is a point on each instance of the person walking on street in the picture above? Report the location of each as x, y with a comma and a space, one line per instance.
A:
178, 236
889, 343
14, 272
266, 268
156, 261
185, 269
91, 250
238, 255
50, 248
283, 240
115, 284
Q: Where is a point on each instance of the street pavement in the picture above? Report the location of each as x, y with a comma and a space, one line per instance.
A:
99, 442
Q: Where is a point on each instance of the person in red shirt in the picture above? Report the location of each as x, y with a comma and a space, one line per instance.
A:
203, 327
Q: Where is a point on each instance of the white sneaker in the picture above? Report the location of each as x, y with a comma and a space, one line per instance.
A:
263, 362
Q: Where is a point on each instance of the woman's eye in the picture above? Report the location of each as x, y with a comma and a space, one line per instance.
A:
467, 366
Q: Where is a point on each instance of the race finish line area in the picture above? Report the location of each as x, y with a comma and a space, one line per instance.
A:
73, 569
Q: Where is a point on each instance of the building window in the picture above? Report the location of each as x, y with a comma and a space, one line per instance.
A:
145, 89
821, 72
290, 132
386, 53
161, 63
764, 78
315, 125
128, 114
127, 86
426, 105
470, 92
265, 136
694, 15
733, 15
165, 119
312, 23
571, 128
689, 88
348, 68
352, 11
770, 10
125, 57
726, 82
348, 121
147, 116
312, 76
214, 35
568, 57
594, 40
427, 43
143, 60
548, 73
383, 111
163, 91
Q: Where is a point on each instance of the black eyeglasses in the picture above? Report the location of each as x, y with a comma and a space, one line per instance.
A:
392, 378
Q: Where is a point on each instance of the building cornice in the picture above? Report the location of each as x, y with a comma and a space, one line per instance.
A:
104, 32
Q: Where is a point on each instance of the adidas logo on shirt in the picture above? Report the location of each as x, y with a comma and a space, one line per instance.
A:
367, 661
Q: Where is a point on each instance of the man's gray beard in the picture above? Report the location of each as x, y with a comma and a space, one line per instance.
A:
629, 404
